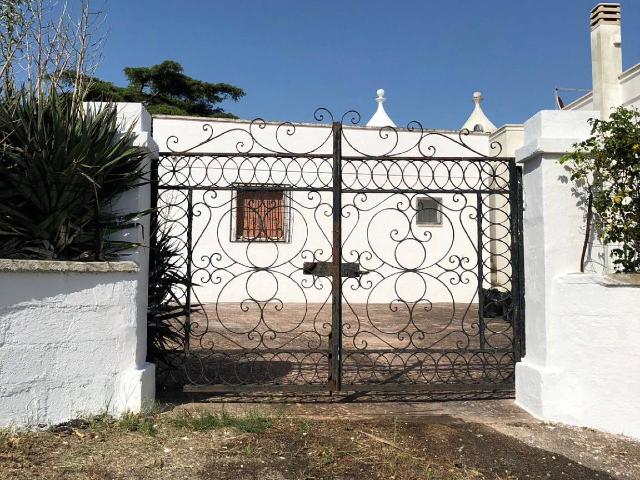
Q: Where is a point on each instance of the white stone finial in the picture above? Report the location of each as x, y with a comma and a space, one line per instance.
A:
478, 121
380, 118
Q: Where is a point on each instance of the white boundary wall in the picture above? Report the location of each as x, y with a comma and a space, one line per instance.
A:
73, 334
69, 341
582, 330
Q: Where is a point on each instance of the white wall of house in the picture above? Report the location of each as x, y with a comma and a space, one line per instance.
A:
379, 229
611, 86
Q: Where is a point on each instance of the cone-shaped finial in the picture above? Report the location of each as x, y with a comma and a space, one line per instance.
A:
478, 121
380, 118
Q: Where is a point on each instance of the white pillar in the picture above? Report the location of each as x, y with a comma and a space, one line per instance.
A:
137, 385
553, 238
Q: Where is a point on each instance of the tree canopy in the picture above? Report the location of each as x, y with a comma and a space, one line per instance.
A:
165, 89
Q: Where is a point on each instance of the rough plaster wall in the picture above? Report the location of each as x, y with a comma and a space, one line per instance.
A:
593, 342
67, 343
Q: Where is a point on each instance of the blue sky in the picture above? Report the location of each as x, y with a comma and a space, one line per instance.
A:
292, 56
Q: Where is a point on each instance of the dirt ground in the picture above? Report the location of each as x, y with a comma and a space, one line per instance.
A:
439, 441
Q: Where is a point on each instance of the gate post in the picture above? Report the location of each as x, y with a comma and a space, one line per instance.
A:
553, 236
137, 385
335, 358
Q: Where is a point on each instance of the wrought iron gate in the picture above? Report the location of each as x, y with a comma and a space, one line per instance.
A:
320, 265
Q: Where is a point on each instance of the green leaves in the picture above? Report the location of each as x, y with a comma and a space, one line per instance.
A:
167, 309
608, 165
61, 168
165, 89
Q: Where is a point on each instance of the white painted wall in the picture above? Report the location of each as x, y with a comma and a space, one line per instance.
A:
629, 92
606, 65
611, 87
581, 333
73, 334
370, 226
593, 356
630, 87
69, 341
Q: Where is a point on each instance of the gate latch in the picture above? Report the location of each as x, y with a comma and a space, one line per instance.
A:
324, 269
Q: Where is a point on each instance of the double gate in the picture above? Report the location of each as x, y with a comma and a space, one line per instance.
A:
335, 257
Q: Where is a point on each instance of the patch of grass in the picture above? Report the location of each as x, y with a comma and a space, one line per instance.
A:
250, 422
4, 437
325, 456
304, 426
136, 422
248, 449
99, 422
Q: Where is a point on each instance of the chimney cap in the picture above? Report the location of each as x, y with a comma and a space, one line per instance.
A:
605, 13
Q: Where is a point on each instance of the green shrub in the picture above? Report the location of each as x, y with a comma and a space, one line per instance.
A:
606, 167
61, 167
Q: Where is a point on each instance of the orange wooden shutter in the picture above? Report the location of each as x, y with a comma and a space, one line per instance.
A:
260, 214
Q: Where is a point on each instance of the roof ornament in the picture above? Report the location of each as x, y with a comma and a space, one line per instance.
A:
380, 118
478, 121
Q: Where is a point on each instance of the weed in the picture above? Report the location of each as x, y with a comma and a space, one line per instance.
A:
251, 422
136, 422
248, 449
4, 437
304, 426
325, 456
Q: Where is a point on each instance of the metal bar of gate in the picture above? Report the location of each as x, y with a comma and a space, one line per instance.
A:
481, 321
517, 259
335, 360
187, 320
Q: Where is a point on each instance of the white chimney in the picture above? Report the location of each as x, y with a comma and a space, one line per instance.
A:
606, 57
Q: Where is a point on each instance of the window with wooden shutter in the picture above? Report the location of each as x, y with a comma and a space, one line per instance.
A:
260, 215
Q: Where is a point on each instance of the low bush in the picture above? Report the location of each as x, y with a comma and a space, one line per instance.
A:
605, 170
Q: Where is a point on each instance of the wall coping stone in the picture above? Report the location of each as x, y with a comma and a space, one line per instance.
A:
61, 266
611, 280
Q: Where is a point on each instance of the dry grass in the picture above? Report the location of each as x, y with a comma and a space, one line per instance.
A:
201, 444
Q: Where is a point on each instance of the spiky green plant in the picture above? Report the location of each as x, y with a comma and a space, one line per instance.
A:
167, 309
61, 168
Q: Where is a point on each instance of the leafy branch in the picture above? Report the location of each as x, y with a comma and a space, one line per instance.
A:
606, 166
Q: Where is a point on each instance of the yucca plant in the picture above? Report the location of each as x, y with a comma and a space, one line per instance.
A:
61, 168
167, 309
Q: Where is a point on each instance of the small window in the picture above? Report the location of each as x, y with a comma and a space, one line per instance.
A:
429, 211
261, 215
478, 128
